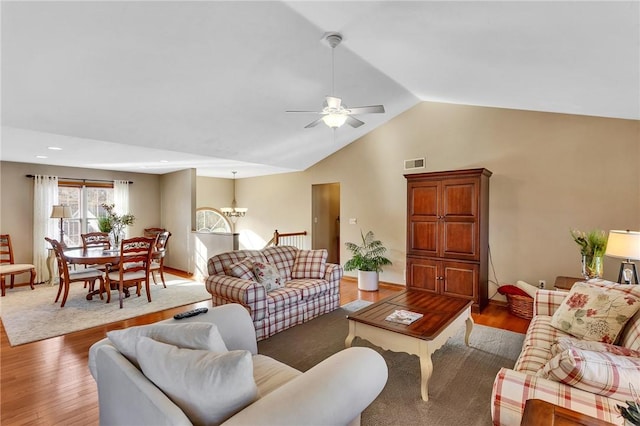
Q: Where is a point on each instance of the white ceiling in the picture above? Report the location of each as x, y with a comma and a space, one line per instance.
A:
156, 87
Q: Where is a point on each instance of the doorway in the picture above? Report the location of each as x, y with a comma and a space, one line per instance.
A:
325, 211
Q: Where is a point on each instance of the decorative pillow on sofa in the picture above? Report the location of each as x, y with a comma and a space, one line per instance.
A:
209, 387
592, 312
191, 335
267, 275
601, 373
242, 269
563, 343
310, 264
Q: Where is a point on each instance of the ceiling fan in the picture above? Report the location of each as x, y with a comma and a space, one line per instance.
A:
335, 113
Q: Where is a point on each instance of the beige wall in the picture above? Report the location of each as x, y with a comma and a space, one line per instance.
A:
16, 200
551, 172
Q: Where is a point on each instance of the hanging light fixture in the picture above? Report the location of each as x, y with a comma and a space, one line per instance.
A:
234, 212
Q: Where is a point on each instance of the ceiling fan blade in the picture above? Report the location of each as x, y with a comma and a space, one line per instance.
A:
373, 109
313, 123
333, 102
353, 122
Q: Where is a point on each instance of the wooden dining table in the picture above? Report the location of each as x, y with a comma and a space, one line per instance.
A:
92, 256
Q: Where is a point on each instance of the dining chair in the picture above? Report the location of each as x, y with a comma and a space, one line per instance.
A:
96, 239
8, 267
153, 232
157, 256
67, 277
133, 268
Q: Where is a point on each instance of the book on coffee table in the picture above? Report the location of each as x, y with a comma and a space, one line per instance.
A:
403, 316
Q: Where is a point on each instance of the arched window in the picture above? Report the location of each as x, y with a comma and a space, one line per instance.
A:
209, 219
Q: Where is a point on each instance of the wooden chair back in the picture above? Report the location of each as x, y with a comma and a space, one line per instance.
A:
63, 266
96, 239
134, 266
153, 232
6, 249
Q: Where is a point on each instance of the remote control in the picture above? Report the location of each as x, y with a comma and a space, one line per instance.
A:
191, 313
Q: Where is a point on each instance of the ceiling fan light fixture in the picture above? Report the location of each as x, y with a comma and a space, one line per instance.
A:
334, 120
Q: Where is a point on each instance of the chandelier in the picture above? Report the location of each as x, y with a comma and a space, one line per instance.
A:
234, 212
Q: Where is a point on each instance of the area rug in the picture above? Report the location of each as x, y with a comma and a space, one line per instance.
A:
460, 386
31, 315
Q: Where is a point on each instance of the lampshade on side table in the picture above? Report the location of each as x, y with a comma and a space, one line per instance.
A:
625, 245
61, 212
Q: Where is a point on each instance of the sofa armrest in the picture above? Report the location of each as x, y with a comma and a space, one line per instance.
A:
333, 392
512, 389
248, 293
333, 272
548, 301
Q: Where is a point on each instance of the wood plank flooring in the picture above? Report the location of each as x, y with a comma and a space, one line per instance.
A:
48, 382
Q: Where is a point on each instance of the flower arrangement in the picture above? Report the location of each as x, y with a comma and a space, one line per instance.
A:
116, 223
593, 245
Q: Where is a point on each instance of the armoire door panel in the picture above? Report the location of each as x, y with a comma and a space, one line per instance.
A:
459, 198
422, 274
424, 200
459, 240
424, 237
460, 280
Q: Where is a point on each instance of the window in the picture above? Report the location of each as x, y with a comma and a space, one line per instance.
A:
209, 219
85, 200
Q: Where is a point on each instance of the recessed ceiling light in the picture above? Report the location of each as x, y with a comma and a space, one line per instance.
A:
41, 156
54, 148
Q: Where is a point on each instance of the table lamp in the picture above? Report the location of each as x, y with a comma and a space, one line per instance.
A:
625, 245
61, 212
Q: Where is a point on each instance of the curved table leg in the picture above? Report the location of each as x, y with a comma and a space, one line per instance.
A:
352, 334
469, 323
426, 369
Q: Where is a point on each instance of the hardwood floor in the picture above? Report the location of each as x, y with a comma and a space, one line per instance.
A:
48, 382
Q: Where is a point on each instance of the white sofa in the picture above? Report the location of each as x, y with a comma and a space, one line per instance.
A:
578, 390
311, 286
333, 392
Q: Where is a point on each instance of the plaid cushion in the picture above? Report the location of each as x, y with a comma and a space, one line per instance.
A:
564, 343
541, 334
219, 263
242, 269
532, 359
602, 373
333, 273
630, 336
511, 389
281, 297
309, 288
309, 264
283, 257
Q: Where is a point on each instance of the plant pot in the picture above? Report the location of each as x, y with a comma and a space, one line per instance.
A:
368, 280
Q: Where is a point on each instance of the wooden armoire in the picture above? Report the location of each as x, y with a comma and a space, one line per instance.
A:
448, 233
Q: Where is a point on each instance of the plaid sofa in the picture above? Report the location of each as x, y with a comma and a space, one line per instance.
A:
301, 299
513, 387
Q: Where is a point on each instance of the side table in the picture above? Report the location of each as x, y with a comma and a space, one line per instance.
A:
565, 283
538, 412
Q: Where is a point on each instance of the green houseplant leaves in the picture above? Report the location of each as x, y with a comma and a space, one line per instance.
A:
367, 257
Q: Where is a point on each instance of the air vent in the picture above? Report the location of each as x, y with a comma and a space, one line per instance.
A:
415, 163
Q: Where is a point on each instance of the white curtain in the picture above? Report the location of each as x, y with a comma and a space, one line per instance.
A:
121, 199
45, 196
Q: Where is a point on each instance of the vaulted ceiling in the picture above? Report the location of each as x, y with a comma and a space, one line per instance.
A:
156, 87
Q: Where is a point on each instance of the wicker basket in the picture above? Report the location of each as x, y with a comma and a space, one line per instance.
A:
520, 306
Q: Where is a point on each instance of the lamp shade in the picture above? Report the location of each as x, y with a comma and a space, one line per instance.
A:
61, 212
624, 245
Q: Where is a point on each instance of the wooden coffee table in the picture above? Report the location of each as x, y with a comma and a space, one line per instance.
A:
442, 317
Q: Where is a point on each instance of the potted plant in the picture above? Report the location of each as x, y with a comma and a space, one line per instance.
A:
368, 259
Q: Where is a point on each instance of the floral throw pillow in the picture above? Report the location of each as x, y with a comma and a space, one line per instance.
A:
267, 275
242, 269
595, 313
